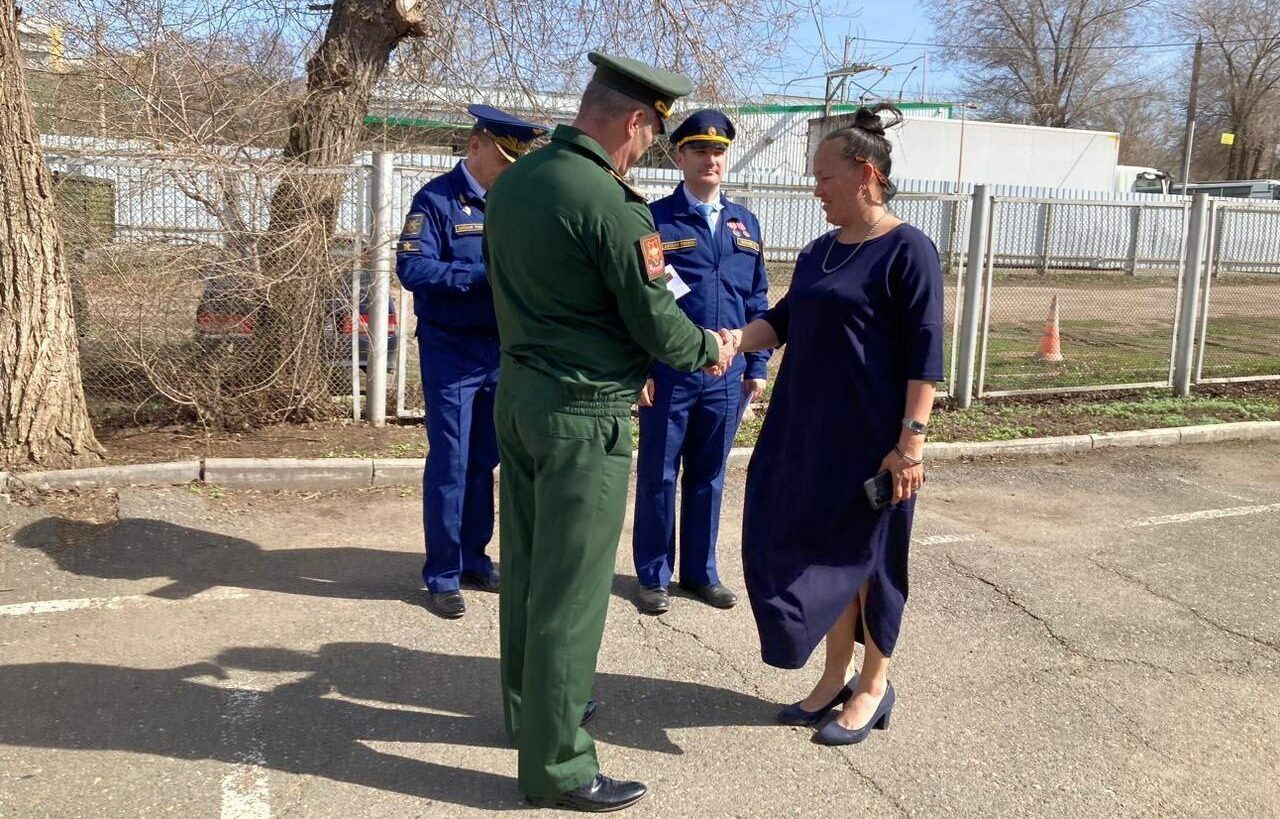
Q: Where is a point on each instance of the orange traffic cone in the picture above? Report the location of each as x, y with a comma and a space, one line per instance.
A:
1051, 340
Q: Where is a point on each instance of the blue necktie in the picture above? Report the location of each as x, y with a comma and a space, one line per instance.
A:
704, 210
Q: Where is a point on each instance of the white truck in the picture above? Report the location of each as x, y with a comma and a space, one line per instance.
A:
960, 150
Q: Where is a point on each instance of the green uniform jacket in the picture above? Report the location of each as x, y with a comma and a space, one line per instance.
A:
576, 267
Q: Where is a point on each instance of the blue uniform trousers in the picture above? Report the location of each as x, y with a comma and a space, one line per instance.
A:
690, 426
459, 383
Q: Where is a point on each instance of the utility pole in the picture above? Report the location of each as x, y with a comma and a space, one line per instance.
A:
844, 81
1189, 138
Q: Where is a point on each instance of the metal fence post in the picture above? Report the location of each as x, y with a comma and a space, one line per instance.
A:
1192, 271
971, 309
1135, 231
1048, 229
379, 295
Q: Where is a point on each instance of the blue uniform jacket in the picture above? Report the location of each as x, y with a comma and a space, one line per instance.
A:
438, 255
725, 272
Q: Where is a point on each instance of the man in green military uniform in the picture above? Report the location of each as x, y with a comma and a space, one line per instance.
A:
580, 287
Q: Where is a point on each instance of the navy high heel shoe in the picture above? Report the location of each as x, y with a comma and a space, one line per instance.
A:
833, 733
795, 715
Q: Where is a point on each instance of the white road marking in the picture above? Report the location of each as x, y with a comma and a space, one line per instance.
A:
246, 792
79, 603
939, 540
1206, 514
1214, 490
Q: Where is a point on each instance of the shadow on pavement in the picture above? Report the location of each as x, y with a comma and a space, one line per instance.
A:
302, 729
196, 560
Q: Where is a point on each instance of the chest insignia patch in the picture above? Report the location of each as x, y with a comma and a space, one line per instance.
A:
412, 225
679, 244
466, 228
651, 253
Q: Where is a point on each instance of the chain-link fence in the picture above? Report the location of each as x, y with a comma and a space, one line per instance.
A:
241, 294
1080, 295
1239, 330
215, 294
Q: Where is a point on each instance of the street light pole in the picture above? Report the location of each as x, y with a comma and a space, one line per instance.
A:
964, 108
1188, 138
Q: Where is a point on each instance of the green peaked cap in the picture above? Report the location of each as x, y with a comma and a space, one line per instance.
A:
640, 81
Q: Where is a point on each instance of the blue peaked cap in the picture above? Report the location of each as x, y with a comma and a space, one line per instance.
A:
705, 125
512, 135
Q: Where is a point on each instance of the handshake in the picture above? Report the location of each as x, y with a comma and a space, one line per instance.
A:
729, 341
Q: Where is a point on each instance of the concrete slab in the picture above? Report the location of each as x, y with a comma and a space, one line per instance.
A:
289, 473
397, 471
1137, 437
163, 474
1060, 445
1241, 431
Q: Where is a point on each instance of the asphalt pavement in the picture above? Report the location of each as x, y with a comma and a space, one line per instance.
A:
1091, 635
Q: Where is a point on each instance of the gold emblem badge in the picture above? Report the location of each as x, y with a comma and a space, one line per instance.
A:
711, 131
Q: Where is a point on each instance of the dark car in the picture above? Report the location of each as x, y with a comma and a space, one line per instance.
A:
231, 309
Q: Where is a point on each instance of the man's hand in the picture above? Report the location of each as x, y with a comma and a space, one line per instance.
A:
753, 389
727, 348
646, 394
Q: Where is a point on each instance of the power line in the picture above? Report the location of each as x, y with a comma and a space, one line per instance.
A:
1135, 46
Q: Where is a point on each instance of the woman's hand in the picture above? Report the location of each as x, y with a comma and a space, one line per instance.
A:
908, 476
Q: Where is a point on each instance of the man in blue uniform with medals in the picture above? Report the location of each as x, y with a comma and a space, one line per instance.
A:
438, 259
689, 420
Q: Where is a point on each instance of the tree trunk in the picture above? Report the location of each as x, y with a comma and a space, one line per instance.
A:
325, 130
43, 418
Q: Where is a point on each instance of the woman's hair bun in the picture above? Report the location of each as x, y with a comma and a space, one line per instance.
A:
877, 119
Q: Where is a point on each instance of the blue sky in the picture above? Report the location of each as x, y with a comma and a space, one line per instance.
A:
903, 20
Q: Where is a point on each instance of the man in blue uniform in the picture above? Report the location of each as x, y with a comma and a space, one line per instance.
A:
689, 419
438, 258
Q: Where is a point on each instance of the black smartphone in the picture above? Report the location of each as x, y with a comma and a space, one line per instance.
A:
879, 490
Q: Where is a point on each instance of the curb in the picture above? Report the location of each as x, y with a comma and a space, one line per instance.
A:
294, 474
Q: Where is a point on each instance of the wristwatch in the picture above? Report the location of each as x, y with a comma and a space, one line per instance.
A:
915, 426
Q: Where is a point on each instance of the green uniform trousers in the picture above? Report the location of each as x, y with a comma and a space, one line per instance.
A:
565, 460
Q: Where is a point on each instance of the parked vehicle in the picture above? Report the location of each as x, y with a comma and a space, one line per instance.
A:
1141, 179
230, 310
1266, 189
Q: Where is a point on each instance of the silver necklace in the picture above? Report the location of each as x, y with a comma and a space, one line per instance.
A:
856, 248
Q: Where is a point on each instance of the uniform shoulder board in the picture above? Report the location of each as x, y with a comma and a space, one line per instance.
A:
622, 180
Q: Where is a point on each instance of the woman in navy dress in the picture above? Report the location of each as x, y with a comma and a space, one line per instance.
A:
862, 322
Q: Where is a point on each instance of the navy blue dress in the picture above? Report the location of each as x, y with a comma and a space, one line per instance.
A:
810, 539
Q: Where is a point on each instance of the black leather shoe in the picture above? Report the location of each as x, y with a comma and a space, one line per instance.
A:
448, 604
653, 601
490, 582
600, 795
589, 711
717, 594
